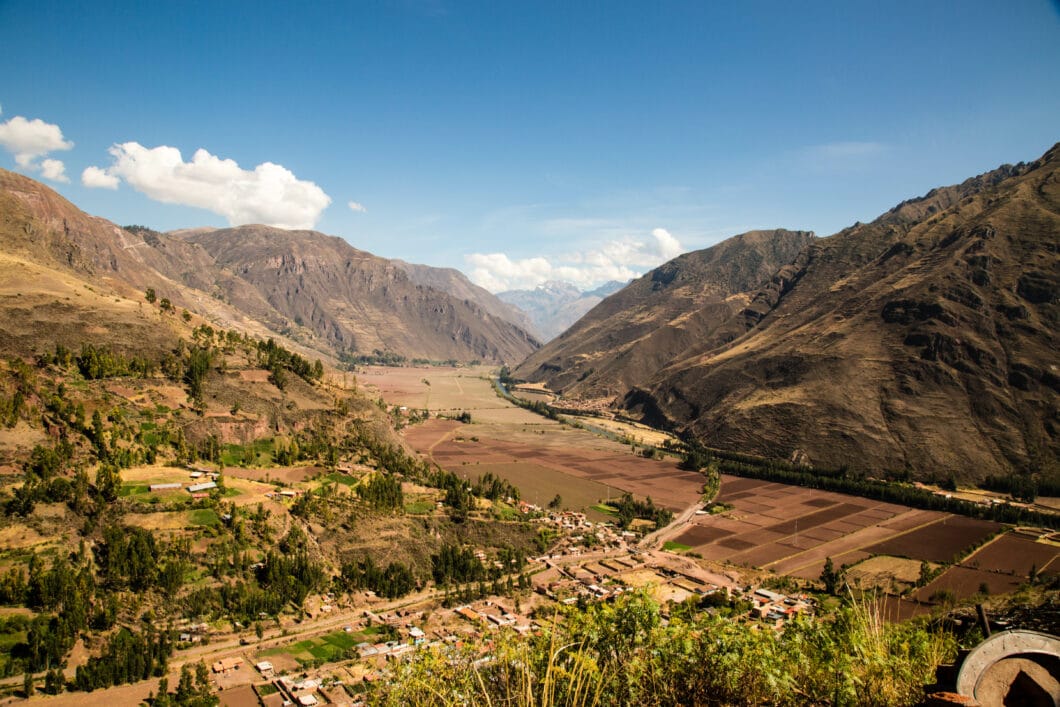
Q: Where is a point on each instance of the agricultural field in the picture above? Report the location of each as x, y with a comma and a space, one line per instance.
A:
586, 474
327, 648
964, 582
1017, 554
792, 530
438, 389
885, 572
540, 456
999, 567
941, 541
775, 527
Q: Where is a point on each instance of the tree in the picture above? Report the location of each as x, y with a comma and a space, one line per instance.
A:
149, 295
925, 574
108, 482
556, 502
54, 682
278, 376
830, 577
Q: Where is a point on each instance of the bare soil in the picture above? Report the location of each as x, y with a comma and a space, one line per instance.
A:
794, 530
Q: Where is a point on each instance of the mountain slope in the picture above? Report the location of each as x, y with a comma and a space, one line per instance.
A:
358, 302
316, 289
456, 283
41, 230
555, 306
925, 340
628, 336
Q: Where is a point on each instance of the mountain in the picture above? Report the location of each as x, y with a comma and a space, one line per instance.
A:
555, 305
631, 334
456, 283
67, 277
923, 342
359, 302
317, 291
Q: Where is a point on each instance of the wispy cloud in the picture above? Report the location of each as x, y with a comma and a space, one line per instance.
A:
268, 194
840, 157
356, 207
30, 140
845, 150
620, 259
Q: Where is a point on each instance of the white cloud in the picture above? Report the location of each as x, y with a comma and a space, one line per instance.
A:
54, 170
620, 259
29, 140
669, 247
268, 194
96, 178
355, 206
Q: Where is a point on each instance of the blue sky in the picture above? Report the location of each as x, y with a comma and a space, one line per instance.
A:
522, 141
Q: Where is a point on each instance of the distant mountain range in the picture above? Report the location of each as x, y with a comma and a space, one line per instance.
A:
314, 289
924, 342
553, 306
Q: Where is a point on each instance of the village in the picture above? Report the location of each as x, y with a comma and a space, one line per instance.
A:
589, 562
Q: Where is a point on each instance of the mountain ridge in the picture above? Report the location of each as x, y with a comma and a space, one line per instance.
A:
261, 293
633, 332
553, 306
921, 343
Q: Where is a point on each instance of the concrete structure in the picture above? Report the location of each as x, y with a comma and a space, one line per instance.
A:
1013, 667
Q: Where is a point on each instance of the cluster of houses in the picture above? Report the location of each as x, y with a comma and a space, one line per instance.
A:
591, 562
579, 534
777, 608
197, 489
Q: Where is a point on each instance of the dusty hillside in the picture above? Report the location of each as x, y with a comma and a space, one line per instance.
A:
456, 284
317, 291
925, 340
357, 301
633, 333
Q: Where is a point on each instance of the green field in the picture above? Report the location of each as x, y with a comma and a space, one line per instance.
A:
340, 478
331, 647
7, 642
205, 517
419, 507
605, 509
257, 453
671, 546
133, 489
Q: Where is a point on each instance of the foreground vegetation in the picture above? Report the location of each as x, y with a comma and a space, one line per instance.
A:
622, 653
